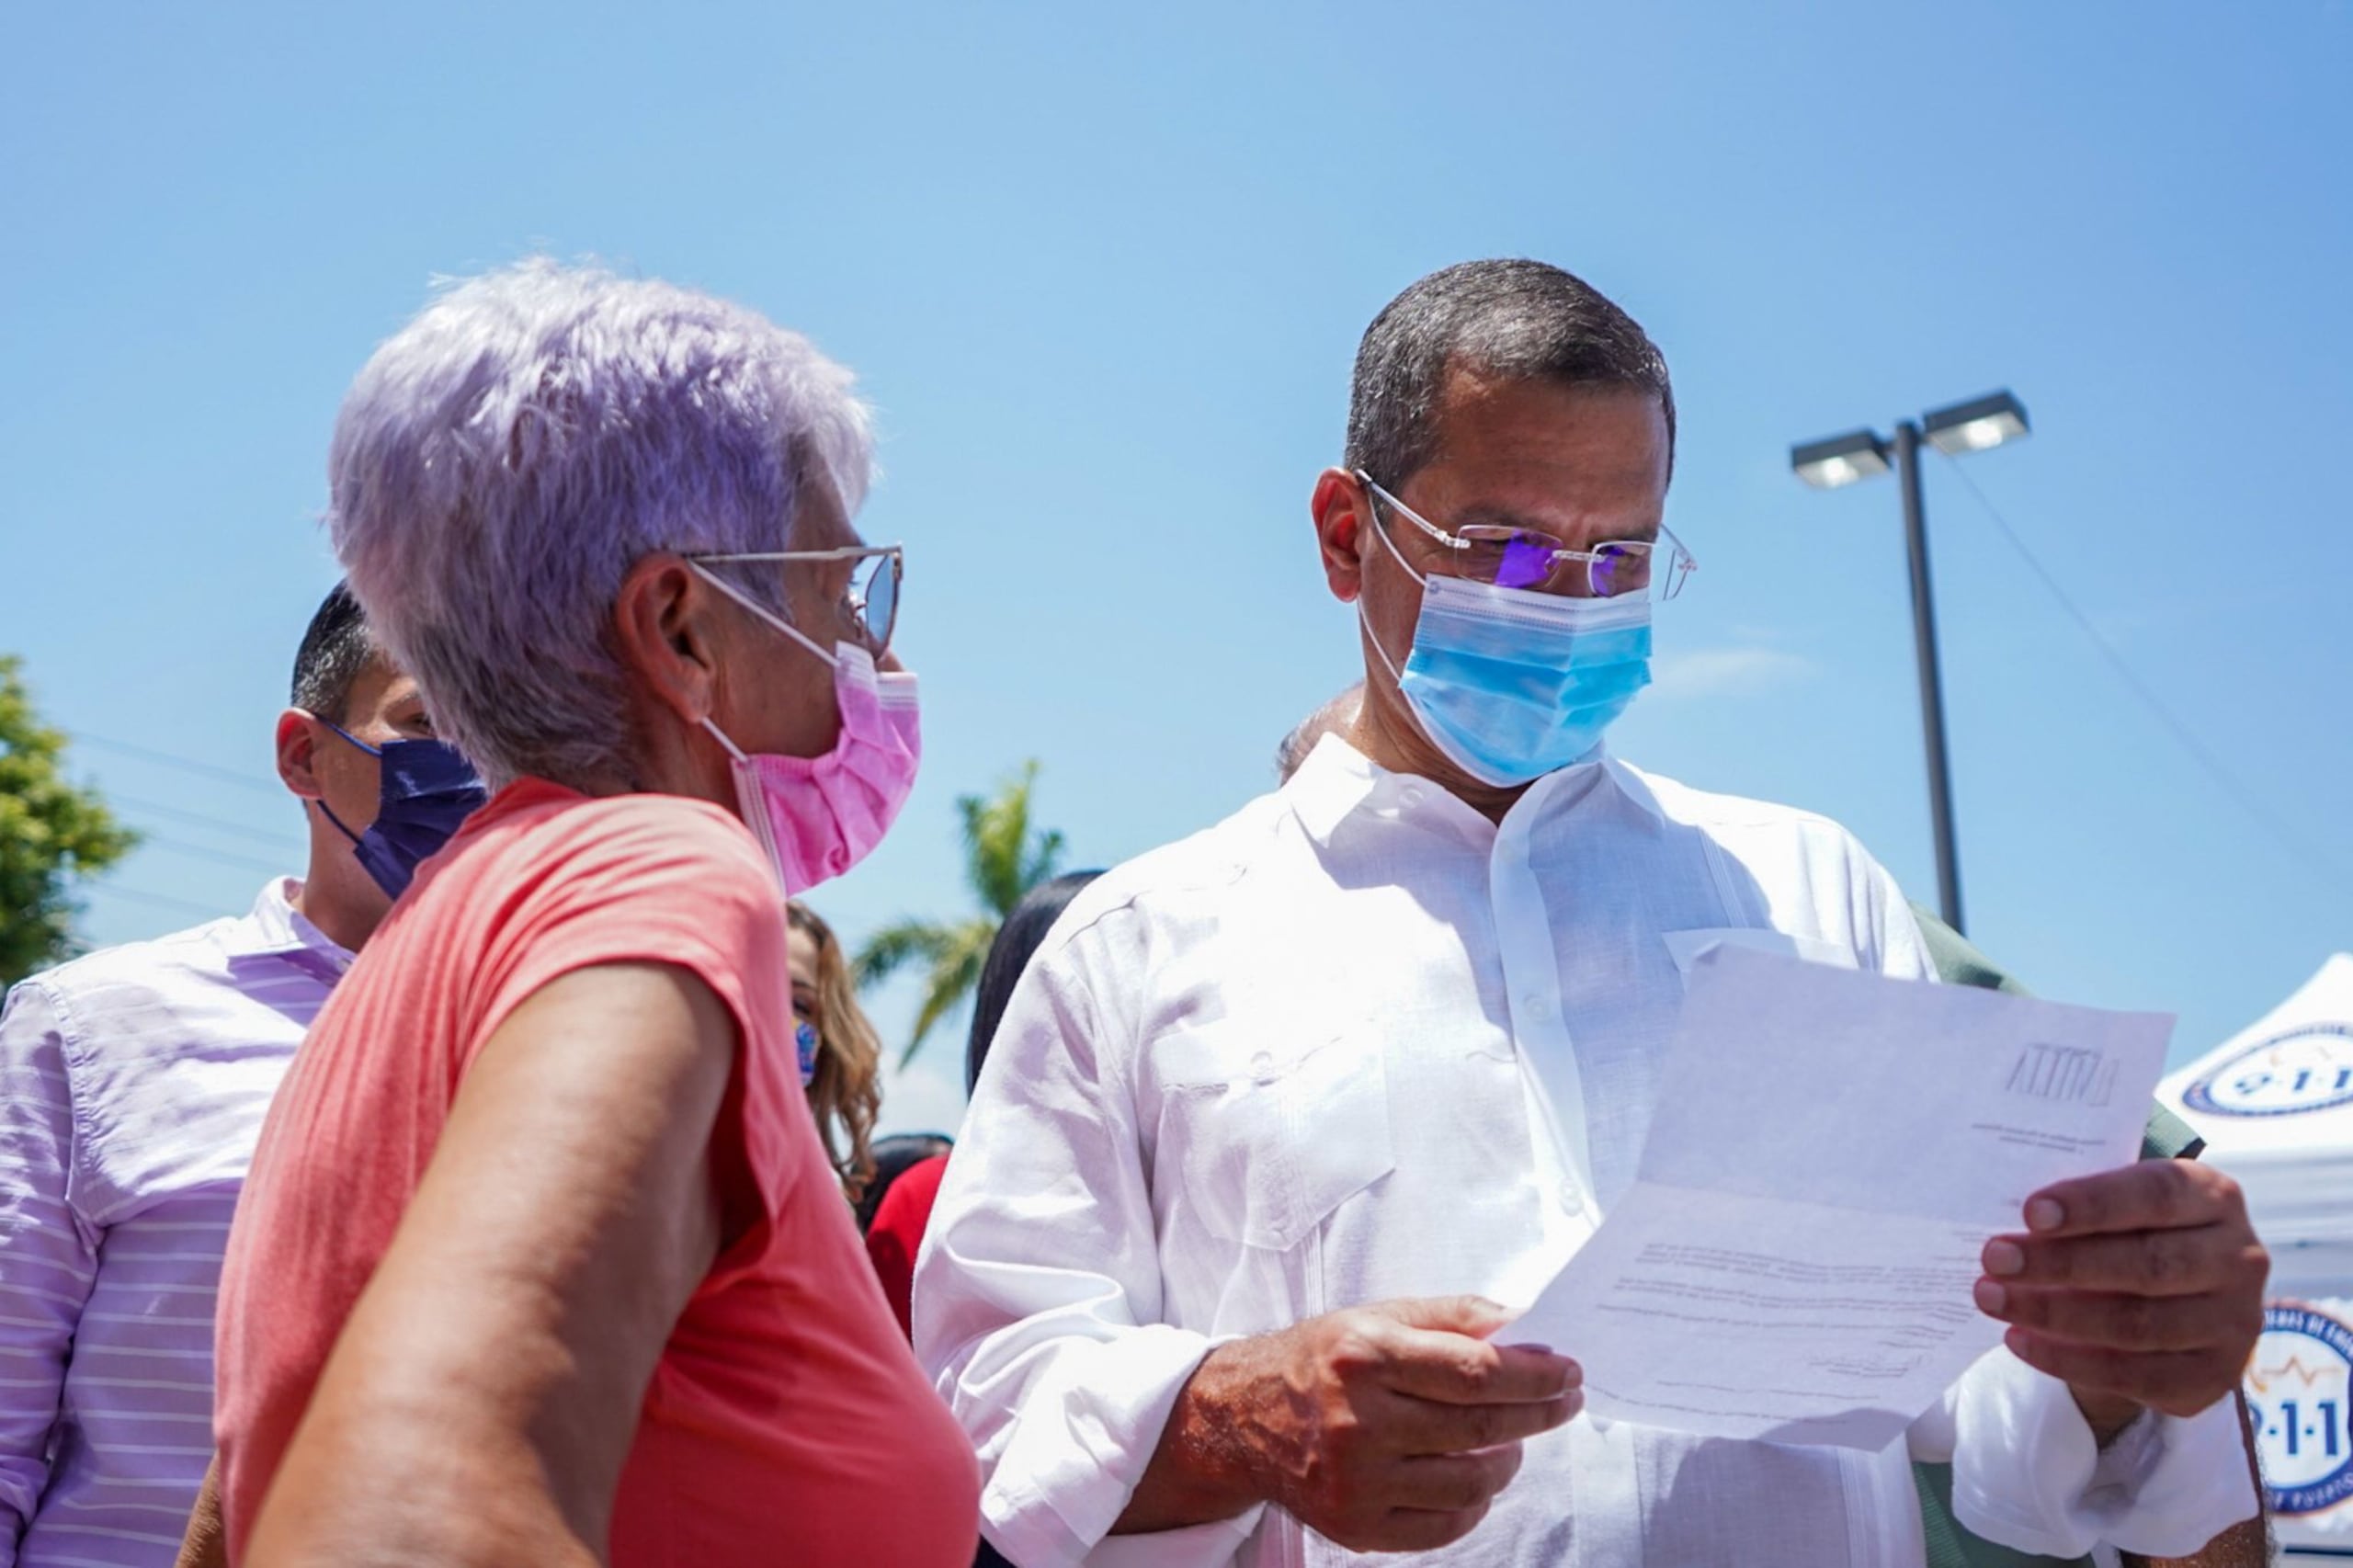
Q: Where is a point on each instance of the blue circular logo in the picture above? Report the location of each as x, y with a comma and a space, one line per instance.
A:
2296, 1396
2304, 1070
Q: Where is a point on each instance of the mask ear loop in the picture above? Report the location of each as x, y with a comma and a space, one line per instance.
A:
1372, 521
1372, 639
321, 802
376, 752
721, 735
741, 597
773, 619
749, 810
337, 820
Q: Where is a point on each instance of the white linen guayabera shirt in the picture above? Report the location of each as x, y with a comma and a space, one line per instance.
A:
1359, 1042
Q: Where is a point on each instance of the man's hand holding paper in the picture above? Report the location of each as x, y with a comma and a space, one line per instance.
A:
1835, 1158
2139, 1287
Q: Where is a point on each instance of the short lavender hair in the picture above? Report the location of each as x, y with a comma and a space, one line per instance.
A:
503, 461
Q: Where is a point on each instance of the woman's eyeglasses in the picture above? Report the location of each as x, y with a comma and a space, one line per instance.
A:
871, 598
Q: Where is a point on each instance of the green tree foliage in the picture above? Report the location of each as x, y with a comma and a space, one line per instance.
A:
52, 834
1003, 859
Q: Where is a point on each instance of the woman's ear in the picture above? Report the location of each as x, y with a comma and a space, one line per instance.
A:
665, 631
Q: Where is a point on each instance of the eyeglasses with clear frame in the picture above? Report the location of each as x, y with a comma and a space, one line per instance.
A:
872, 598
1528, 558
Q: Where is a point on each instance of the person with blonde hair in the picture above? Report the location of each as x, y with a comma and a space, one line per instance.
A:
839, 1053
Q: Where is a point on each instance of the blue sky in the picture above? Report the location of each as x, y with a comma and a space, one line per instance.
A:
1102, 268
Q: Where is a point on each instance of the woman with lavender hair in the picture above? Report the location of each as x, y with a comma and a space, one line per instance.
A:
541, 1258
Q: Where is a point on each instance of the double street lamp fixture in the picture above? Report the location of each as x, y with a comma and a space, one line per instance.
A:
1973, 427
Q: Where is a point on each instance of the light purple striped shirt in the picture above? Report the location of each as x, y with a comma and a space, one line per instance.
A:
132, 1087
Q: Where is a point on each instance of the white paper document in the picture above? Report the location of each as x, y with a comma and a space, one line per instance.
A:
1830, 1153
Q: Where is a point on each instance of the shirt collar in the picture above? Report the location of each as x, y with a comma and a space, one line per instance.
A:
281, 929
1337, 780
1333, 782
1634, 786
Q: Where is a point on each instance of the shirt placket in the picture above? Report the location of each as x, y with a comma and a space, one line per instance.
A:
1530, 959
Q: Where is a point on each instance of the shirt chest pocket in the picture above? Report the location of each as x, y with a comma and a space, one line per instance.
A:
1260, 1146
1688, 946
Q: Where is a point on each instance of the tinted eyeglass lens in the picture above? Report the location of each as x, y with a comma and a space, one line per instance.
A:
1620, 568
1505, 557
878, 600
1527, 562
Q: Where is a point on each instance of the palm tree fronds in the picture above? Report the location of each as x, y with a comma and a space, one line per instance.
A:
893, 946
996, 841
954, 971
1042, 861
1003, 861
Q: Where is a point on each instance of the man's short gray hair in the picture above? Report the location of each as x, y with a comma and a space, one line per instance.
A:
1518, 319
502, 462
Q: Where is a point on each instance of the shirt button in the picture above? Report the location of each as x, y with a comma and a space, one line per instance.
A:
1262, 1066
1538, 1005
1570, 1199
1412, 795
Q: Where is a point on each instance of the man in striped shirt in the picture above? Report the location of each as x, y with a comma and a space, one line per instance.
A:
132, 1085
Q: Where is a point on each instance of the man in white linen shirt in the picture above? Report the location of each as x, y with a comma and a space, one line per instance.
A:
132, 1085
1281, 1113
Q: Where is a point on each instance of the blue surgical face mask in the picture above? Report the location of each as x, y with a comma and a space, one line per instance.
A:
1510, 683
804, 1049
426, 790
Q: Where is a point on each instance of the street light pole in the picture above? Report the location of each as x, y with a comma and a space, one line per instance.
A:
1932, 688
1976, 425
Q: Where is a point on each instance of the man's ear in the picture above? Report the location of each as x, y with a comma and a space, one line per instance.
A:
1342, 512
663, 630
298, 744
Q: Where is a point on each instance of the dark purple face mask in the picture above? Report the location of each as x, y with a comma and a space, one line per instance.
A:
426, 790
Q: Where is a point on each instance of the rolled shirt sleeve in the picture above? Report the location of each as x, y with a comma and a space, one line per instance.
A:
1037, 1295
47, 1256
2028, 1474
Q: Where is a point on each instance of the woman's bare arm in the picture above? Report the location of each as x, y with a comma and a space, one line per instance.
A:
484, 1395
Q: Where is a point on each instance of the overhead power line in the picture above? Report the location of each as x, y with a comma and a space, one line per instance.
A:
277, 839
189, 764
2301, 849
220, 856
160, 900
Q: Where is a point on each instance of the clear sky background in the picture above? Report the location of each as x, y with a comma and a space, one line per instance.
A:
1103, 268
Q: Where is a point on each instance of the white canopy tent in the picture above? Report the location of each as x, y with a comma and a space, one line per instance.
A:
2274, 1106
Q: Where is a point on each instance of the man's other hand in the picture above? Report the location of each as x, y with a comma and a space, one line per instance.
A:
1388, 1428
2138, 1287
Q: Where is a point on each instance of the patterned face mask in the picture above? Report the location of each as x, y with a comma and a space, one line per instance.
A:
818, 816
804, 1046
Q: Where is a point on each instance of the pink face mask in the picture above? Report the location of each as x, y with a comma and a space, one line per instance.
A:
818, 816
